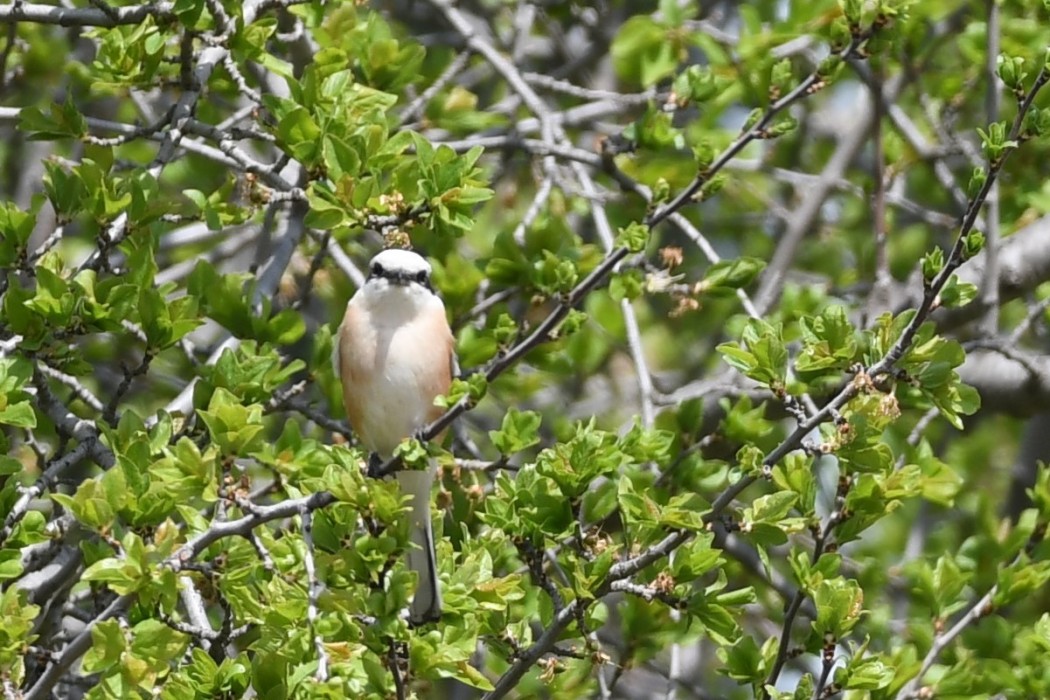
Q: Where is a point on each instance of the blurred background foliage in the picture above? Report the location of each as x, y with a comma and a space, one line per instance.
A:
729, 425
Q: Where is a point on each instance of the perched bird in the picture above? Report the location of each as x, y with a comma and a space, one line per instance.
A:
394, 355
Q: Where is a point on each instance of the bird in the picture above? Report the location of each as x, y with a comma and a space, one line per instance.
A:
394, 355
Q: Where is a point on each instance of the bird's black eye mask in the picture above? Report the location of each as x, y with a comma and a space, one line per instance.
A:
402, 277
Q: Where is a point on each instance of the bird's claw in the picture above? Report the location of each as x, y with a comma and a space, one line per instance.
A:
374, 464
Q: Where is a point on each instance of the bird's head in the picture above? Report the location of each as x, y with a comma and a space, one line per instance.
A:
397, 267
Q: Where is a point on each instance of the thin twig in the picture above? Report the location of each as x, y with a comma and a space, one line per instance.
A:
394, 663
805, 88
79, 390
879, 298
416, 106
989, 287
313, 591
796, 604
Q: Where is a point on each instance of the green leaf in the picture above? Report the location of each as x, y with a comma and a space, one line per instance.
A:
718, 622
235, 427
19, 414
730, 275
760, 355
519, 431
15, 228
299, 133
626, 285
744, 661
839, 607
956, 293
121, 576
96, 500
643, 52
62, 121
698, 84
772, 507
829, 344
633, 237
107, 646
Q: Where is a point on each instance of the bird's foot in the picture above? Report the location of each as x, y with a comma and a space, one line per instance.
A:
375, 463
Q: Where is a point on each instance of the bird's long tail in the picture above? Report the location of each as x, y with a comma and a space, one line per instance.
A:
426, 604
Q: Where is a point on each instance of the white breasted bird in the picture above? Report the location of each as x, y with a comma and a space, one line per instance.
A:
394, 356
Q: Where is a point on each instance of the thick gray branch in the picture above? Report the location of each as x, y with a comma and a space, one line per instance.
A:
1024, 264
84, 16
1009, 381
